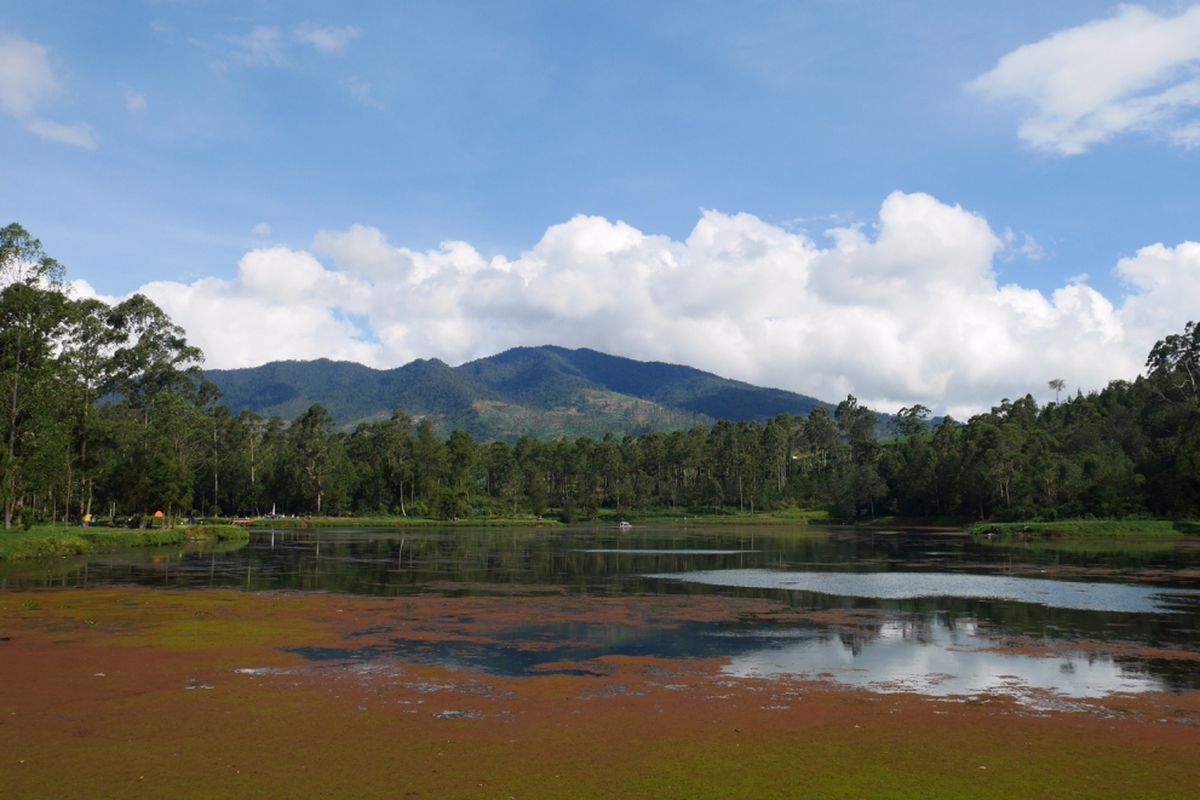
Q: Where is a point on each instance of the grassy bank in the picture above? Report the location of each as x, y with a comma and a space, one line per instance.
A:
916, 523
217, 533
56, 541
402, 522
787, 516
52, 542
790, 516
1091, 528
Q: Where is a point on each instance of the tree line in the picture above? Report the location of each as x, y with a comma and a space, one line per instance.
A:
106, 412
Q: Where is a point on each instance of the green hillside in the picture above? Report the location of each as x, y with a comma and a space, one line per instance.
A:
537, 391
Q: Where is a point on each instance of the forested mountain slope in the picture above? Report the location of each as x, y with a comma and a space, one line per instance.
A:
538, 391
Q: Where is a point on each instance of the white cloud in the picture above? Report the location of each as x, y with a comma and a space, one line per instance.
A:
283, 303
263, 46
26, 79
135, 101
27, 82
80, 134
261, 229
360, 90
1165, 290
1133, 72
269, 46
327, 41
1024, 245
908, 312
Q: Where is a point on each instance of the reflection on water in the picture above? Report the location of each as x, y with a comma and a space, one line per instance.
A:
691, 551
927, 655
885, 610
912, 585
941, 659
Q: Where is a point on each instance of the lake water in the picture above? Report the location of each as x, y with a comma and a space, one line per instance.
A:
884, 610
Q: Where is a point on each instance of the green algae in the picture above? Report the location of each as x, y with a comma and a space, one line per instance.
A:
1095, 528
174, 719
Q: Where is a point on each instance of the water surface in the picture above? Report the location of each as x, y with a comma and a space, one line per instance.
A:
886, 610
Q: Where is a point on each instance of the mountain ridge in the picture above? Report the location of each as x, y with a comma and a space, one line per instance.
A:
546, 391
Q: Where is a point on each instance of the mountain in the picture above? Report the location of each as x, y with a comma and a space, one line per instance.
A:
538, 391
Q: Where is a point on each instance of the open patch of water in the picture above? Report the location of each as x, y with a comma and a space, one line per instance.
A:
689, 551
1073, 595
939, 659
928, 655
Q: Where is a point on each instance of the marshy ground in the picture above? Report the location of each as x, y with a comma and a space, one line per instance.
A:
141, 692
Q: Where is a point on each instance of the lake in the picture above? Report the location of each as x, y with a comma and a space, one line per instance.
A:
934, 613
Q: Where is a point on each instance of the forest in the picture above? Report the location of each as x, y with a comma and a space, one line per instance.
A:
106, 412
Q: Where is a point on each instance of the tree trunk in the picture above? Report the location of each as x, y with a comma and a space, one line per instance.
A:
10, 495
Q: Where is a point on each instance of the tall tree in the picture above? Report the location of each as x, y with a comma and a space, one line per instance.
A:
1057, 384
312, 440
33, 313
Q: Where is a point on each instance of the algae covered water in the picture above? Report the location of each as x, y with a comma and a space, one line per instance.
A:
934, 613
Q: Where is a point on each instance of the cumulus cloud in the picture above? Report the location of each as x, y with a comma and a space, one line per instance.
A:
1164, 287
26, 82
277, 308
327, 41
1136, 71
907, 310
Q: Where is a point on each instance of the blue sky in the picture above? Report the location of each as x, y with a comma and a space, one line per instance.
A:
148, 140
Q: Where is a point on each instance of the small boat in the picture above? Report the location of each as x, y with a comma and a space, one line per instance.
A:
624, 525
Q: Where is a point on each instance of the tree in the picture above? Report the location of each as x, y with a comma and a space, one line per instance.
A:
911, 421
1057, 385
857, 425
152, 355
312, 440
1174, 364
33, 312
22, 260
397, 451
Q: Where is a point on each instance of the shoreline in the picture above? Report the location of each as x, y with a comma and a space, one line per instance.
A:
55, 542
62, 542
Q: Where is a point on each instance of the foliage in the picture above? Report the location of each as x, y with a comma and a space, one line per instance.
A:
104, 410
96, 399
542, 392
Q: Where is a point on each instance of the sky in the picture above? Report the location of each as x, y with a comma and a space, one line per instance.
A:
915, 202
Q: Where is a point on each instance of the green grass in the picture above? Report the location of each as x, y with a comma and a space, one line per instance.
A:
402, 522
217, 533
1133, 528
53, 542
955, 523
786, 516
56, 541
